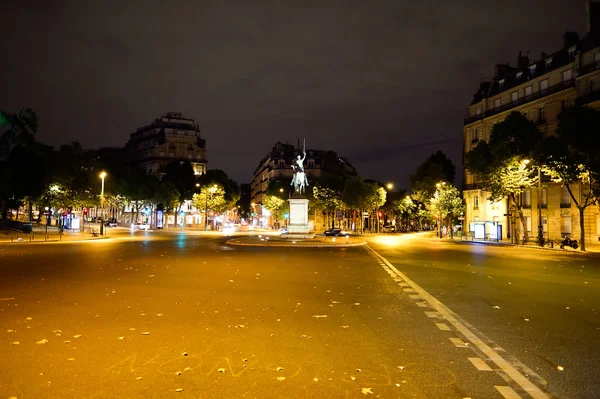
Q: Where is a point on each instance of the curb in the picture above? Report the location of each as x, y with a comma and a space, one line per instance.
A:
557, 250
285, 245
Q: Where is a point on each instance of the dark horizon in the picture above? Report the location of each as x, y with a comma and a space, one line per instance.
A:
384, 86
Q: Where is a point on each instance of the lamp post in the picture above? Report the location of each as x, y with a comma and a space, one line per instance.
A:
539, 205
102, 176
437, 193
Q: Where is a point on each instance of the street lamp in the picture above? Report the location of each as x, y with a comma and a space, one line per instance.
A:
540, 237
102, 176
437, 194
390, 186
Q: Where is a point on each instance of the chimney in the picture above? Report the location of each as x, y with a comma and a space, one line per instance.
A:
592, 16
502, 70
570, 39
522, 61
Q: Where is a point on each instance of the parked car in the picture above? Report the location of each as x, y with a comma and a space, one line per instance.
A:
111, 223
140, 226
335, 232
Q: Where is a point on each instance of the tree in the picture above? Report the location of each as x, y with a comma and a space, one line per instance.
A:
210, 198
181, 175
436, 168
446, 204
499, 164
231, 189
275, 205
573, 156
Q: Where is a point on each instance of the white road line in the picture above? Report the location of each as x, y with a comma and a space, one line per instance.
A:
479, 364
459, 343
507, 392
408, 290
442, 326
415, 296
433, 315
505, 366
422, 304
404, 285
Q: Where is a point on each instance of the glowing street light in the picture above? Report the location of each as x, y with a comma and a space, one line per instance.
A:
389, 186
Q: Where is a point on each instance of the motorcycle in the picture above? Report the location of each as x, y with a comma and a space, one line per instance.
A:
567, 242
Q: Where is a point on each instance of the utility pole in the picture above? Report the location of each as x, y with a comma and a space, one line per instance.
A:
539, 205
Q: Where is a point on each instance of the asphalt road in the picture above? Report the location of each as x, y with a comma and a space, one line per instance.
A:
176, 316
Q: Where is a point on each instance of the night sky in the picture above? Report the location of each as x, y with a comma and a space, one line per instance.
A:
383, 83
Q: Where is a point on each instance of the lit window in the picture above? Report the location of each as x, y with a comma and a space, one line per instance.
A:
514, 96
528, 91
567, 75
497, 103
544, 85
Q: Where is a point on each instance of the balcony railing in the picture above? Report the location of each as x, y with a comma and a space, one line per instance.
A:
565, 204
589, 68
535, 96
588, 98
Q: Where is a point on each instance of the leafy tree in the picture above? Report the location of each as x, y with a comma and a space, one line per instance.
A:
436, 168
573, 156
499, 164
231, 190
327, 196
275, 205
181, 175
446, 204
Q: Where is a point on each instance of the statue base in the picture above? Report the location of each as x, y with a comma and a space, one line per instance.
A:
298, 223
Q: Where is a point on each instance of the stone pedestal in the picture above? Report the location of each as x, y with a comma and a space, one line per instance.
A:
298, 223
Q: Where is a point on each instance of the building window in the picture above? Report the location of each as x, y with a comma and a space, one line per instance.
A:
475, 202
567, 75
541, 115
528, 224
478, 111
532, 69
565, 225
281, 164
565, 198
526, 199
311, 164
572, 53
497, 103
528, 91
514, 96
475, 135
564, 104
544, 85
544, 198
544, 224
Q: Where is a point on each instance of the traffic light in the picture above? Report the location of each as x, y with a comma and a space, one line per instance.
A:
85, 211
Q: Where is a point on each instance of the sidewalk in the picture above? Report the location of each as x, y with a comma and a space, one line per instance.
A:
592, 248
40, 236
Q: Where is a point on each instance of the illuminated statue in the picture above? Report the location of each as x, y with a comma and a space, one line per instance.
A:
299, 181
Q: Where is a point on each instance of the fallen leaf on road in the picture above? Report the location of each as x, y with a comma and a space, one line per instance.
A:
77, 336
358, 303
178, 373
280, 368
280, 378
132, 329
344, 326
222, 370
496, 307
42, 341
358, 370
568, 308
231, 281
121, 338
187, 369
29, 318
560, 368
15, 343
178, 389
315, 379
319, 316
353, 378
400, 367
71, 358
184, 354
10, 330
366, 391
159, 314
526, 319
139, 378
57, 331
145, 333
67, 342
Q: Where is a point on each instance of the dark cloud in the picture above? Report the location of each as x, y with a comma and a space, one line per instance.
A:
384, 83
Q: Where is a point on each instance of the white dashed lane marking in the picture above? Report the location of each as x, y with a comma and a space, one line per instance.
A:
504, 367
480, 364
507, 392
459, 343
442, 326
422, 304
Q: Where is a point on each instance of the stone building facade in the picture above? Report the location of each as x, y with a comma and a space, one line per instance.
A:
540, 90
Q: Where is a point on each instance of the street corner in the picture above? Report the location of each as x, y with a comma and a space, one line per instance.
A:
315, 242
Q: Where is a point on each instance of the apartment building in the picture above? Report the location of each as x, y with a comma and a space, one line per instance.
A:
168, 138
540, 90
277, 166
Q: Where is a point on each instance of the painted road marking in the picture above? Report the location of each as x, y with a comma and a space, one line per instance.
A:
433, 315
404, 285
459, 343
422, 304
479, 364
442, 326
409, 290
415, 296
507, 392
508, 369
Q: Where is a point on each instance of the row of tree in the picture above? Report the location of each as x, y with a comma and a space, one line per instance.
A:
433, 199
509, 163
36, 174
